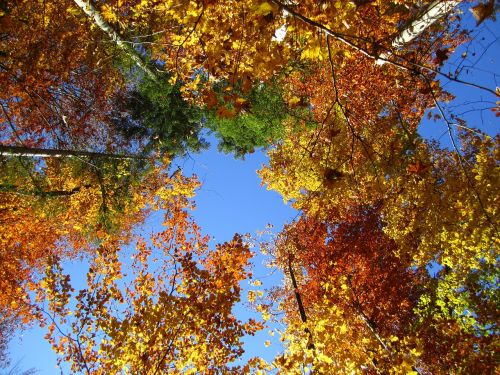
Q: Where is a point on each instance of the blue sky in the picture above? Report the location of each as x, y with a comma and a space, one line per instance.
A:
479, 63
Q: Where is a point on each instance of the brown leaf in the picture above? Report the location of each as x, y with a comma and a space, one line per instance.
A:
417, 168
211, 99
483, 11
224, 112
441, 56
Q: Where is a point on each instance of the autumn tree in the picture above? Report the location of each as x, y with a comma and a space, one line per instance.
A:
438, 209
352, 304
348, 299
74, 181
369, 153
64, 207
45, 101
242, 51
167, 311
365, 152
76, 89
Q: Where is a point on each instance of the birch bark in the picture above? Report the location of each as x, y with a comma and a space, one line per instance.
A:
55, 153
94, 14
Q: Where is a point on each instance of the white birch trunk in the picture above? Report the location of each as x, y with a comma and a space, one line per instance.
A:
55, 153
434, 12
94, 14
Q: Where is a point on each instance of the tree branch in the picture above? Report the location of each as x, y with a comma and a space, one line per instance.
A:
100, 22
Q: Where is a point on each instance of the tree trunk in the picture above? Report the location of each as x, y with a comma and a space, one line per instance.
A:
100, 22
55, 153
15, 189
300, 305
434, 12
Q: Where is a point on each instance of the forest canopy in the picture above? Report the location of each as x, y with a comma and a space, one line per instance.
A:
390, 265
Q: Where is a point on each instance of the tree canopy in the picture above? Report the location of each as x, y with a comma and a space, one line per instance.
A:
391, 264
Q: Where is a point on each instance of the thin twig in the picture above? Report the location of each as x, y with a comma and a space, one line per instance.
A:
461, 160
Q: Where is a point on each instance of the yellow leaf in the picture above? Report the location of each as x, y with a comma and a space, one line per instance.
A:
293, 101
265, 315
264, 9
251, 296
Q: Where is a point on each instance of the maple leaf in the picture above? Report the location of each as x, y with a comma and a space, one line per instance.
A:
417, 168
